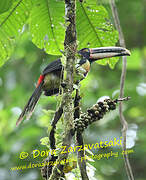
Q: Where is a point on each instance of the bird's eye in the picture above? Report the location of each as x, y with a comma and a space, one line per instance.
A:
84, 52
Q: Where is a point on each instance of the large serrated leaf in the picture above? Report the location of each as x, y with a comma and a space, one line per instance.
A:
5, 5
11, 24
94, 28
46, 25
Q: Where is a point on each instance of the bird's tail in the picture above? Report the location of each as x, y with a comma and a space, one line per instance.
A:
28, 109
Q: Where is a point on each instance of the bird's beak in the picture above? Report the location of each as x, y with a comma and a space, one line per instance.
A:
107, 52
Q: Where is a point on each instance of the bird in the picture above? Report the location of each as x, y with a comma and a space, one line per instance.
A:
51, 78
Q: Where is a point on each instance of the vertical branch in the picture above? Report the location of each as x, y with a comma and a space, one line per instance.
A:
70, 50
79, 140
81, 155
122, 81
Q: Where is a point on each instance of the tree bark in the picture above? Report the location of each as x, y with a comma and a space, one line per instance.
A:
70, 50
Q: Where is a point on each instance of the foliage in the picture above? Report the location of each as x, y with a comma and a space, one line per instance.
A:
47, 26
5, 5
11, 25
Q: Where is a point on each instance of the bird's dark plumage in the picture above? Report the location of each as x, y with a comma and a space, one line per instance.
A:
50, 80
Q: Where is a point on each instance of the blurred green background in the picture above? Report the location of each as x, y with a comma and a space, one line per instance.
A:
17, 81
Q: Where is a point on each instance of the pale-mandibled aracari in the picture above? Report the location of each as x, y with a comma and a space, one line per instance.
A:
51, 78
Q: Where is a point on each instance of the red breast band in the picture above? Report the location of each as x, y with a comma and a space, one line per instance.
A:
41, 78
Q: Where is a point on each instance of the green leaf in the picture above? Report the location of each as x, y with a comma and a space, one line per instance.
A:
94, 28
44, 141
46, 25
5, 5
11, 24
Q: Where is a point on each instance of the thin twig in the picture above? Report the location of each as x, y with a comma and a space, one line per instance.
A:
122, 81
79, 139
81, 154
56, 118
77, 104
46, 171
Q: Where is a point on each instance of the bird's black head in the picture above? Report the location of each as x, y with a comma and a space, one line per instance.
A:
94, 54
85, 52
